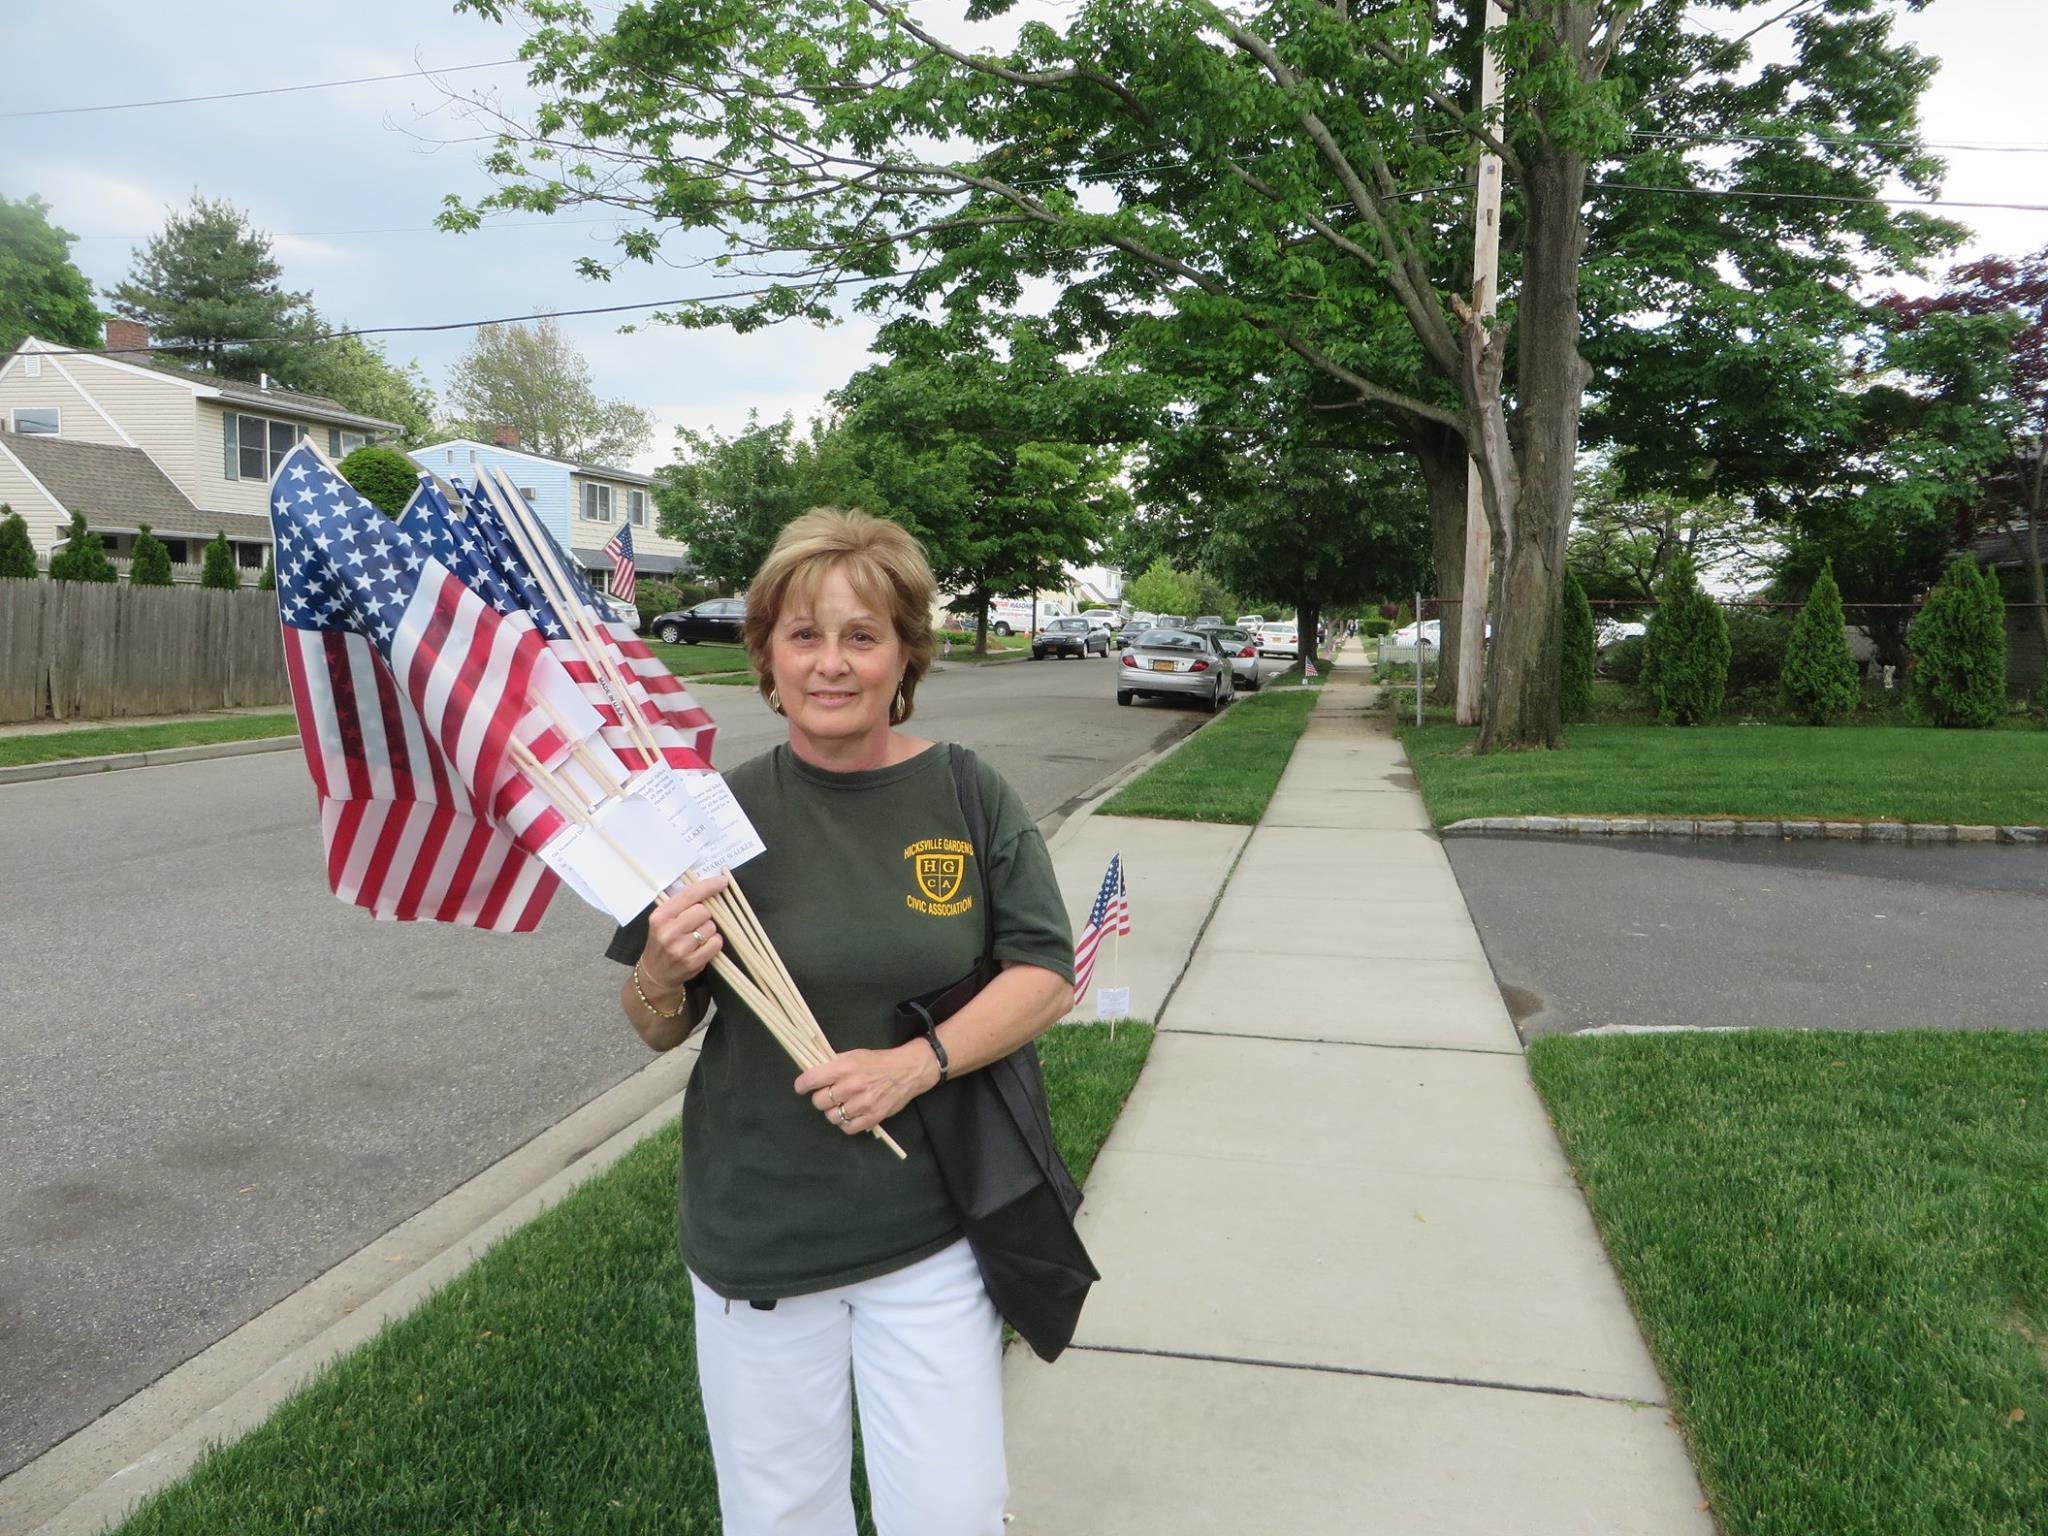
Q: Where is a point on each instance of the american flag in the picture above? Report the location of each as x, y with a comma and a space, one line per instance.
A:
680, 727
409, 692
620, 552
1112, 910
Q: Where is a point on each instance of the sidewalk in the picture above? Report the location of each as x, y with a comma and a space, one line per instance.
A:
1349, 1285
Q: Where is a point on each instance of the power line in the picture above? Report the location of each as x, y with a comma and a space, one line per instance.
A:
1817, 197
391, 229
270, 90
1836, 139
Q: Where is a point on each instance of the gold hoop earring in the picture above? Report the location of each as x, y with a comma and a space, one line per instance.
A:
774, 699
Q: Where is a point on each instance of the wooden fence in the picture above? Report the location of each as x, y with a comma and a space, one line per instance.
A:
92, 650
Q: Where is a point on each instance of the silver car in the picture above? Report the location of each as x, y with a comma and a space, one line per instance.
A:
1242, 647
1167, 663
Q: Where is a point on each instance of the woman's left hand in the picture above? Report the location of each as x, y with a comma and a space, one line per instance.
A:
858, 1090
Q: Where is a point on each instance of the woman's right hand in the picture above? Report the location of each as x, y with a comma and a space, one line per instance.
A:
682, 935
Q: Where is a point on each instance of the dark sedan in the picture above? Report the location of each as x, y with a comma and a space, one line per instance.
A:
1070, 637
718, 619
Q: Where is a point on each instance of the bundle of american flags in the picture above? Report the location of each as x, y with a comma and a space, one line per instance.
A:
479, 732
1110, 914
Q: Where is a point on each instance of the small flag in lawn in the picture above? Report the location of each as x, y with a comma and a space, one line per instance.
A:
620, 552
1111, 913
1308, 667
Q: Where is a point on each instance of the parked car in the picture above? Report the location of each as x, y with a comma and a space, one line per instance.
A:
1280, 639
1241, 646
1108, 620
1021, 615
1209, 621
719, 618
1171, 621
1070, 637
1175, 663
1250, 621
619, 611
1142, 621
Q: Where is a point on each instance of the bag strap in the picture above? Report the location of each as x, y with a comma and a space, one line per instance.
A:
967, 786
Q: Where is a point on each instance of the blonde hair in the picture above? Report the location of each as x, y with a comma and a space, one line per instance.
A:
886, 567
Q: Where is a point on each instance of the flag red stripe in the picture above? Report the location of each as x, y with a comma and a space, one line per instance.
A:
391, 707
302, 707
465, 873
349, 817
342, 675
415, 891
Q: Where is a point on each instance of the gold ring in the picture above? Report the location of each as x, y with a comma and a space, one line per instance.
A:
842, 1118
697, 935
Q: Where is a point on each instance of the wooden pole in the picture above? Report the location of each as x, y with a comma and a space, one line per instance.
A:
1471, 615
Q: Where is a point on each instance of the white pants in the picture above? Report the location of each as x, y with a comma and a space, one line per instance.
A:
922, 1346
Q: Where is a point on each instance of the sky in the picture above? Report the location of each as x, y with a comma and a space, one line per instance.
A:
348, 181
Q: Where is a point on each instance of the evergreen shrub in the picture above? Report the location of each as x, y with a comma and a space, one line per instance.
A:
219, 568
17, 549
385, 477
1685, 653
1575, 685
1957, 643
1757, 639
267, 582
150, 563
83, 557
1820, 683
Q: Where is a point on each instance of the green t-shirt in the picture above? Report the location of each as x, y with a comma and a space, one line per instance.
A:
871, 893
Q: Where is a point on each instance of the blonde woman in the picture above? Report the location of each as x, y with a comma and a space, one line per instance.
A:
820, 1264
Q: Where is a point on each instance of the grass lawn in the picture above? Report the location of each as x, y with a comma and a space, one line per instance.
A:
1846, 773
106, 740
1838, 1246
552, 1387
1228, 771
704, 656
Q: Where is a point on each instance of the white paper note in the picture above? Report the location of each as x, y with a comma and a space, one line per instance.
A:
1113, 1003
661, 788
733, 839
632, 852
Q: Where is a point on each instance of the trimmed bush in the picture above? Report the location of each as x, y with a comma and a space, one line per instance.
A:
150, 564
17, 549
219, 569
1372, 626
267, 582
1957, 643
654, 598
386, 477
1575, 685
1757, 639
1819, 681
1685, 653
1624, 661
83, 557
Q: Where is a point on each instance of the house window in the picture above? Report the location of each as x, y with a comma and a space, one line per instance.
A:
31, 366
249, 556
255, 446
175, 548
597, 503
341, 444
636, 508
40, 420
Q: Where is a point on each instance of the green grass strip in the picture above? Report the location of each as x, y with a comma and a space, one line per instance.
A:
1838, 1246
1862, 773
108, 740
1228, 771
552, 1387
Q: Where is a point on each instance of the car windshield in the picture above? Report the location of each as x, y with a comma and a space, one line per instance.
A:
1233, 636
1068, 624
1280, 629
1171, 640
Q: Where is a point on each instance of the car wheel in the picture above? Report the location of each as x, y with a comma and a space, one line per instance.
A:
1252, 686
1037, 654
1003, 630
1216, 702
670, 635
1122, 697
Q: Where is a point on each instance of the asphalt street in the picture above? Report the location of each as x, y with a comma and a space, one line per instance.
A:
1594, 933
219, 1081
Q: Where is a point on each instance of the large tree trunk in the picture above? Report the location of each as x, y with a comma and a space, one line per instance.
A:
1306, 617
1532, 513
1440, 454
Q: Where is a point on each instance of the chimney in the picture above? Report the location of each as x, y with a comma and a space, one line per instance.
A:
507, 437
130, 336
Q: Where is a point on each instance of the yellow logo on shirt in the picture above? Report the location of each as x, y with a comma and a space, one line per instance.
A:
939, 865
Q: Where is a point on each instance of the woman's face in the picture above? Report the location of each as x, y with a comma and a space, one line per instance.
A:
836, 663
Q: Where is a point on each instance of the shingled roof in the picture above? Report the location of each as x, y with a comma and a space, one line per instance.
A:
118, 489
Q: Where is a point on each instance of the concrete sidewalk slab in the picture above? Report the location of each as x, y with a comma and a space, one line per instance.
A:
1311, 850
1386, 1257
1326, 926
1349, 808
1178, 1446
1414, 883
1441, 1004
1173, 869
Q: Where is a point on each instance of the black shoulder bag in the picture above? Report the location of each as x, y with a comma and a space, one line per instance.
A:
991, 1134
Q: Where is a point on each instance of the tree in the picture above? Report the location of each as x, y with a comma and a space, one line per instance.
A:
1685, 651
1958, 646
219, 569
1161, 589
533, 379
1575, 694
1622, 542
730, 497
356, 373
149, 563
1819, 679
17, 549
1266, 167
386, 477
208, 288
83, 556
42, 292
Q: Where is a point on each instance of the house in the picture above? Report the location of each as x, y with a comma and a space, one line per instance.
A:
127, 440
583, 505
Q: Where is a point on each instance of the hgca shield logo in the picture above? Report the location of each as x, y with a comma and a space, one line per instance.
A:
938, 865
939, 875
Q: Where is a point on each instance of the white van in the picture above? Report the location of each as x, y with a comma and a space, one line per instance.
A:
1014, 615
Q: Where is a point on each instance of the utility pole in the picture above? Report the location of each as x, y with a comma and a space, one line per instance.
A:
1471, 615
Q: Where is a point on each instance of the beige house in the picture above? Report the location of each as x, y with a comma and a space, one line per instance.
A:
128, 441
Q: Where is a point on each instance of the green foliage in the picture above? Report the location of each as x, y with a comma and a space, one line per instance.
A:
207, 279
534, 379
1372, 626
1958, 648
42, 292
219, 569
1161, 589
83, 556
1624, 661
729, 497
149, 564
17, 549
1820, 682
1575, 690
267, 582
1685, 655
386, 477
354, 372
1622, 540
654, 597
1756, 651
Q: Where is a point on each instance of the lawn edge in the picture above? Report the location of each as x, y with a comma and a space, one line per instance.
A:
1760, 828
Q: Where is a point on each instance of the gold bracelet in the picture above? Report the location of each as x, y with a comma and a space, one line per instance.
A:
681, 1008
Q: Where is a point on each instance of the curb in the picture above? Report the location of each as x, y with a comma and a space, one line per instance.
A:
74, 767
1922, 833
